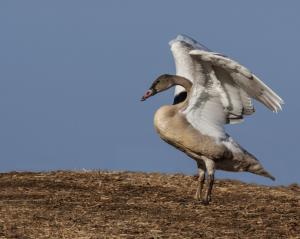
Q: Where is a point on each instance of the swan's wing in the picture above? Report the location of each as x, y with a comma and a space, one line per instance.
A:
192, 69
205, 110
241, 78
236, 85
185, 64
223, 96
235, 100
209, 106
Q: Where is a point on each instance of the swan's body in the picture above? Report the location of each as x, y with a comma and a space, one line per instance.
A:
211, 90
176, 130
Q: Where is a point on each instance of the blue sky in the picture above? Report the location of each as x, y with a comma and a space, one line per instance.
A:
72, 74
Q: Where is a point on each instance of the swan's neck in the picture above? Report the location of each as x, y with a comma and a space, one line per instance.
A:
187, 85
165, 113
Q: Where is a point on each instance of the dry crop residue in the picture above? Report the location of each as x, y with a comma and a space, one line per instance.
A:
141, 205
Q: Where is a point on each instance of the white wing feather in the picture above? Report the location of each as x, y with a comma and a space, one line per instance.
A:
247, 81
221, 87
205, 111
192, 69
186, 66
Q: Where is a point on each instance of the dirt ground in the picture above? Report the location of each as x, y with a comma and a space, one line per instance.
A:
141, 205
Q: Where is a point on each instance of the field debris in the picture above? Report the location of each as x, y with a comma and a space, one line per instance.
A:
103, 204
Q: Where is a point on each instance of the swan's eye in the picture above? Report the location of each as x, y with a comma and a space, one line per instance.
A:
156, 83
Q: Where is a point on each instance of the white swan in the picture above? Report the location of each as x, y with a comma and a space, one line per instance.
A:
211, 90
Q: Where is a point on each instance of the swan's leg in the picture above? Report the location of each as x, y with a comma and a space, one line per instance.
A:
201, 180
210, 167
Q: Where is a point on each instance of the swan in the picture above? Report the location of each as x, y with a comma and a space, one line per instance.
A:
211, 90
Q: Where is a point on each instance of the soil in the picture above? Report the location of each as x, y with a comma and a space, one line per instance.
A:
101, 204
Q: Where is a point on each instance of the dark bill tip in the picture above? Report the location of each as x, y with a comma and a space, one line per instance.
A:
147, 94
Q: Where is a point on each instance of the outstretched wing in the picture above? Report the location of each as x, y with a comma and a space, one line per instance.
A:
241, 77
222, 87
185, 64
205, 110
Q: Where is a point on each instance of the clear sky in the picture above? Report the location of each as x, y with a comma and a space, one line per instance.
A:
72, 74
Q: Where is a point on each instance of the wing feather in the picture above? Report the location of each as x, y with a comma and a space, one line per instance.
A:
222, 88
249, 82
248, 107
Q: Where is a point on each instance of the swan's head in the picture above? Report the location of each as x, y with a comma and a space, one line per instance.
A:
162, 83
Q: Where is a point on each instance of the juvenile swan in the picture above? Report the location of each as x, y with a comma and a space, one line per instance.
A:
211, 90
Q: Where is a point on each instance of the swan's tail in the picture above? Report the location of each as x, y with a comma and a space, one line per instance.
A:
256, 168
259, 170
